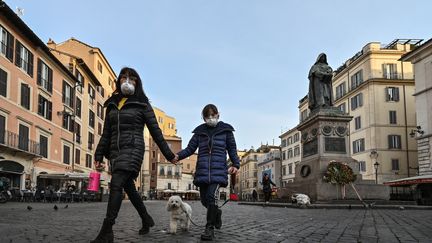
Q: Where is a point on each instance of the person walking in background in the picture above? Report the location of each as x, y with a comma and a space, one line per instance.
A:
267, 182
213, 139
128, 110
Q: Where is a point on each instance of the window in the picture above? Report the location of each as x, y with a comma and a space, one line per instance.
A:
303, 115
188, 166
356, 79
283, 170
78, 108
43, 141
91, 92
88, 160
90, 140
100, 111
283, 144
25, 96
161, 170
66, 154
290, 169
362, 166
296, 151
289, 141
169, 185
3, 82
283, 155
67, 94
23, 137
160, 119
80, 78
358, 145
44, 76
2, 129
390, 71
68, 122
357, 123
153, 154
44, 107
392, 117
296, 137
342, 107
91, 119
77, 156
153, 166
395, 164
109, 81
357, 101
101, 90
6, 43
77, 132
169, 170
290, 153
392, 94
23, 58
340, 90
394, 141
99, 66
99, 129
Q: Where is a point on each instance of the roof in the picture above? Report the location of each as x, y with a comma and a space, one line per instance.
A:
409, 55
22, 27
410, 180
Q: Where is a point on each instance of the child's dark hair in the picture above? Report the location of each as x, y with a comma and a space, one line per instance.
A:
207, 109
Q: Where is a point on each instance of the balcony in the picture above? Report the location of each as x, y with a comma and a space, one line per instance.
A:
19, 144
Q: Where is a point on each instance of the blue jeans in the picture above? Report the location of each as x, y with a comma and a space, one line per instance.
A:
209, 194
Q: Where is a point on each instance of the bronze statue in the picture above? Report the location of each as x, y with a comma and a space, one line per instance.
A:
320, 84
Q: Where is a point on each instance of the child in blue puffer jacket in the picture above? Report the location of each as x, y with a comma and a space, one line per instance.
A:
213, 139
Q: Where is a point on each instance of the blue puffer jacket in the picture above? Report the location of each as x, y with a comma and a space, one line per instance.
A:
212, 165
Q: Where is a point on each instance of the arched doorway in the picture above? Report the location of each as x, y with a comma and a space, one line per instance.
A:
13, 171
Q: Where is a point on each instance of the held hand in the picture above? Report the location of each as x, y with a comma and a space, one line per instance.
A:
175, 160
232, 170
99, 165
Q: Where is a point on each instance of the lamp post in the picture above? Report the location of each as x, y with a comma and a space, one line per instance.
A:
374, 156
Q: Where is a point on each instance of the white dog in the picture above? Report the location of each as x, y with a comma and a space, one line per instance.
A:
181, 213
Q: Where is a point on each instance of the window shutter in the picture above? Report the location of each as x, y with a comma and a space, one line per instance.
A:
386, 94
49, 110
396, 94
3, 83
18, 53
50, 77
384, 70
10, 47
360, 99
40, 105
30, 64
64, 92
39, 71
389, 141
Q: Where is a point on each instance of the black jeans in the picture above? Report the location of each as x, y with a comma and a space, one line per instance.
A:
267, 196
123, 180
208, 194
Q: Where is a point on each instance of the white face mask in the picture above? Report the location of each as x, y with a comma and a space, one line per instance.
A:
212, 121
127, 88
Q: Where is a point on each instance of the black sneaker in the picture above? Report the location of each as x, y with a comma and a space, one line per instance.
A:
208, 234
218, 223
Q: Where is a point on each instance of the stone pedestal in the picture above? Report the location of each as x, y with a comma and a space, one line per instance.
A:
325, 138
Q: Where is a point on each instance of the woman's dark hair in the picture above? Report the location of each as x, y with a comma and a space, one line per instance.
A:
207, 109
139, 91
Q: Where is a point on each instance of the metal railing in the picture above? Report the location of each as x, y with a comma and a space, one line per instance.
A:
13, 140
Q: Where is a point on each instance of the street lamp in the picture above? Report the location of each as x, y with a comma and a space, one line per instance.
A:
376, 171
374, 156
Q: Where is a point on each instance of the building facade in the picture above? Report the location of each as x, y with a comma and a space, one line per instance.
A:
290, 154
377, 90
422, 60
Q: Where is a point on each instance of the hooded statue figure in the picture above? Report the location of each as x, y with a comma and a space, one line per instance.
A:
320, 84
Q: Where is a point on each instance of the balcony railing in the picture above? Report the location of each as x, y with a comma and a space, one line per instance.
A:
14, 141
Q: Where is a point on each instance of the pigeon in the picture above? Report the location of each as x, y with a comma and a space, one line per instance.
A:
29, 208
401, 208
349, 207
66, 206
55, 207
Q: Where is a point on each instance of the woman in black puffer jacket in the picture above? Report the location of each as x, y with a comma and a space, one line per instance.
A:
128, 110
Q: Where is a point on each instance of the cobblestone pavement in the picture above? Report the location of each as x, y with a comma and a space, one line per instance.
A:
242, 223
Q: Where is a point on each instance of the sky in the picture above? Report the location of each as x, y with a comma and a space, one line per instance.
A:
250, 58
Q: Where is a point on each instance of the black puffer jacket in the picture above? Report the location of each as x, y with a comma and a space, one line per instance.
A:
122, 141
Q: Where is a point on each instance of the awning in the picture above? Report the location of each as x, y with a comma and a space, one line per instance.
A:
192, 191
410, 181
168, 191
65, 176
